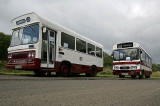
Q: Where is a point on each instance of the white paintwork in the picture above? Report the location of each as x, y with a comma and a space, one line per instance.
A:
69, 55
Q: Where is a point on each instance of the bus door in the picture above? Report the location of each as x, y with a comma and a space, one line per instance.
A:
48, 48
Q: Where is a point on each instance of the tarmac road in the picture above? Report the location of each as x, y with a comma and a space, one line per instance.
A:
32, 91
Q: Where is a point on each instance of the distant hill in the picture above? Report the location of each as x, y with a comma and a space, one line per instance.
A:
4, 43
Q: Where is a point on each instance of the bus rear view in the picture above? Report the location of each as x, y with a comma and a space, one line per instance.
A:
130, 59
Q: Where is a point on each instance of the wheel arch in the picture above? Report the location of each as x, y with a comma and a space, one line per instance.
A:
66, 62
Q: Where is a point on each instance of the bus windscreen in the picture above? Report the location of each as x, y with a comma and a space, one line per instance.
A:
25, 35
126, 54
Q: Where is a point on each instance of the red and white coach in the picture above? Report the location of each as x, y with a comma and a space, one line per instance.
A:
131, 59
44, 47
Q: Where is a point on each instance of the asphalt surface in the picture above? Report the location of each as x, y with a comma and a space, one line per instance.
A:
33, 91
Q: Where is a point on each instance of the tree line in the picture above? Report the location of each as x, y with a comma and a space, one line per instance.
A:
4, 44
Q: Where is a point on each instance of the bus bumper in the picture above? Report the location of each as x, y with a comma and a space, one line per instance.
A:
24, 64
127, 72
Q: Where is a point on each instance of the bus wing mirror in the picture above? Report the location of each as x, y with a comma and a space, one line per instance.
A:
44, 29
112, 54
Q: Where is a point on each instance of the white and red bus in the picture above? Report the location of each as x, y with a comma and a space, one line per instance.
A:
46, 47
131, 59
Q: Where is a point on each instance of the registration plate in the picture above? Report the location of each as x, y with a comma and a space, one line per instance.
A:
18, 67
124, 73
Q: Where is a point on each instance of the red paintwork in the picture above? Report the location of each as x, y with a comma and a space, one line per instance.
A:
26, 66
22, 59
119, 72
120, 63
131, 72
77, 68
26, 63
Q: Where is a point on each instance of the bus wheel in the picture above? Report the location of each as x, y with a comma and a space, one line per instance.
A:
65, 69
140, 76
147, 76
121, 76
43, 74
48, 74
58, 74
93, 72
133, 76
39, 73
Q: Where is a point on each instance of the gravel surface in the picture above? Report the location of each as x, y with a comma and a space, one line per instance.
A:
33, 91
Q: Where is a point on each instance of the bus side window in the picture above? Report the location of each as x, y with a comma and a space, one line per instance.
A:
98, 52
67, 41
91, 49
80, 45
143, 56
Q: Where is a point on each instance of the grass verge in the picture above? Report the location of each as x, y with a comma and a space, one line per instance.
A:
155, 74
5, 71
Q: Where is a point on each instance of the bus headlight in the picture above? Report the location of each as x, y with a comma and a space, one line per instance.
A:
31, 54
133, 67
9, 56
116, 67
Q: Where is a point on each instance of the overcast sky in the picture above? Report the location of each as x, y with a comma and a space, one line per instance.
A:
105, 21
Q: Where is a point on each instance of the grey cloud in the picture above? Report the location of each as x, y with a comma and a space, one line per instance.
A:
105, 21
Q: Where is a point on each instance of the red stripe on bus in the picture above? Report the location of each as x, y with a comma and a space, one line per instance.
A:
119, 63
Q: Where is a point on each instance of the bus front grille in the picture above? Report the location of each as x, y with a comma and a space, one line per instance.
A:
124, 67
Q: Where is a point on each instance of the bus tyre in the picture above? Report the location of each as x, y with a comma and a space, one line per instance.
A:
93, 72
121, 76
36, 73
39, 73
48, 74
140, 76
147, 76
58, 74
133, 76
65, 69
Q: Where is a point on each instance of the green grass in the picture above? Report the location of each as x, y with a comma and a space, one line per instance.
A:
15, 72
156, 74
5, 71
107, 72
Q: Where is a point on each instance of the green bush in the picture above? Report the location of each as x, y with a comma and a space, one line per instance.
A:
2, 64
155, 67
4, 43
107, 62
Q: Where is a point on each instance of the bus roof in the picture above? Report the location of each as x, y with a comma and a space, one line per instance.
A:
53, 25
